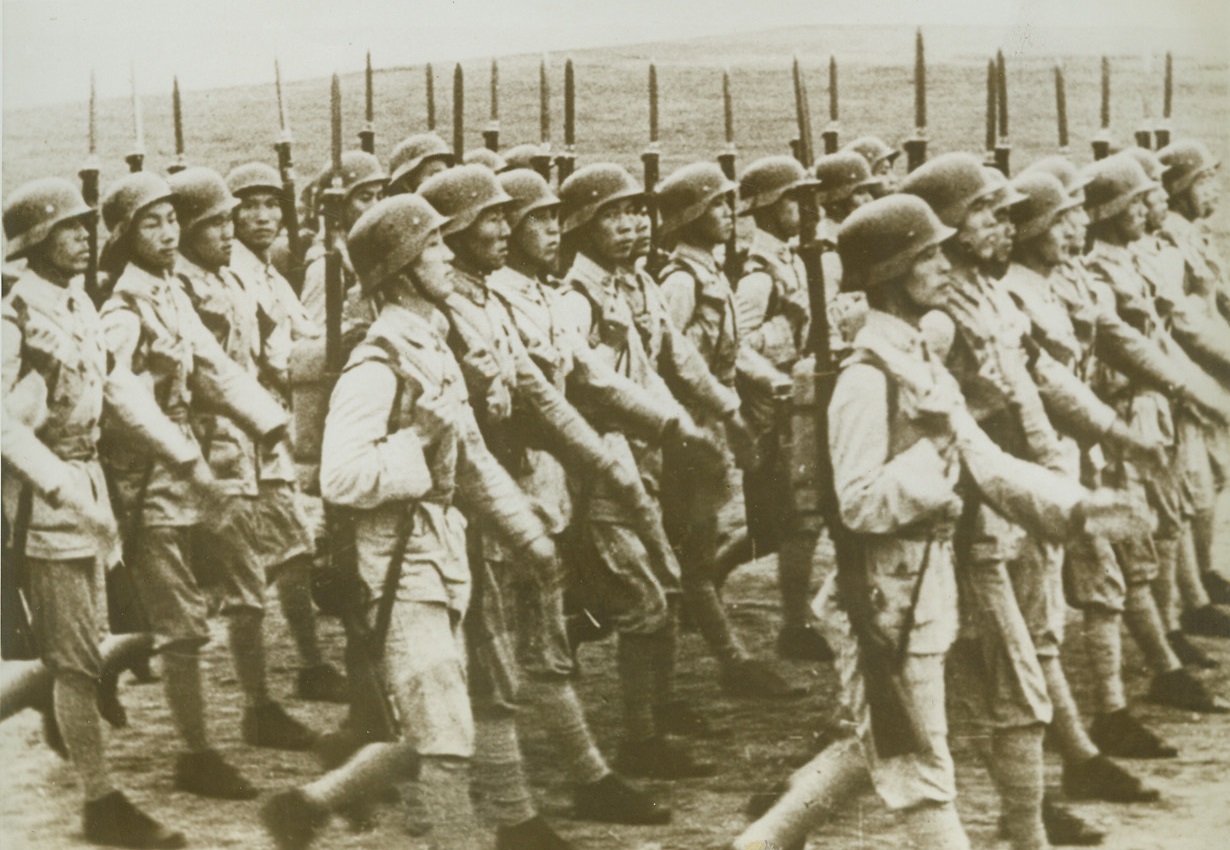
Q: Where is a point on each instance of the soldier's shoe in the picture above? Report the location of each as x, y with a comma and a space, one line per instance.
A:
322, 683
1180, 689
1206, 621
751, 677
1217, 587
207, 774
269, 725
803, 643
660, 758
1121, 735
611, 800
1188, 653
1063, 828
533, 834
293, 820
678, 717
1099, 778
113, 821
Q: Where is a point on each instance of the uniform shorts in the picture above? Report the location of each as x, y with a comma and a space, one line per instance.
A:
67, 604
425, 667
262, 533
533, 606
167, 586
610, 577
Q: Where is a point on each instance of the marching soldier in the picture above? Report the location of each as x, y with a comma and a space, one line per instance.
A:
696, 216
401, 445
485, 157
258, 219
415, 160
55, 496
881, 159
529, 292
362, 180
261, 532
164, 361
900, 439
845, 184
774, 316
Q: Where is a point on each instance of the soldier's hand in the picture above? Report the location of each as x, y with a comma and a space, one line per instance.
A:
742, 442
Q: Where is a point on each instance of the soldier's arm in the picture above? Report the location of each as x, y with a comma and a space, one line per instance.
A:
767, 336
688, 376
679, 297
1072, 406
362, 465
1204, 340
23, 411
603, 394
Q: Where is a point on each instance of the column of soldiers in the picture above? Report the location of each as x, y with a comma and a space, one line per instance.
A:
532, 440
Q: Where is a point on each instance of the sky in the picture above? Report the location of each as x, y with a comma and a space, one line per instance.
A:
51, 46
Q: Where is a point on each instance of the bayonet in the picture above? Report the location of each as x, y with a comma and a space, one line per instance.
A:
1003, 149
89, 192
1061, 108
1101, 142
992, 108
541, 161
333, 199
726, 161
651, 164
1144, 132
459, 99
491, 136
431, 99
367, 136
1161, 133
136, 159
830, 134
289, 198
177, 113
566, 161
916, 146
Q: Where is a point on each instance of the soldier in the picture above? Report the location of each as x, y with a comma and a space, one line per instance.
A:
523, 155
258, 218
846, 183
55, 497
774, 316
164, 361
615, 576
900, 438
362, 180
696, 216
526, 287
881, 159
262, 531
485, 157
401, 445
416, 159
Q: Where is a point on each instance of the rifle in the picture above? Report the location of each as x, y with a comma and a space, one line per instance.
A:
459, 111
1061, 108
1101, 142
177, 114
370, 712
916, 146
895, 730
651, 162
136, 159
90, 193
290, 205
491, 136
431, 99
541, 161
367, 136
1144, 131
566, 162
726, 161
1161, 134
1003, 150
830, 133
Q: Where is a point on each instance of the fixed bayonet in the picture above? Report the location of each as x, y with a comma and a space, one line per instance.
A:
136, 159
290, 205
1144, 132
177, 115
1061, 108
1101, 142
916, 146
541, 161
491, 136
651, 164
567, 161
830, 134
89, 192
367, 136
1161, 133
1003, 149
333, 199
431, 99
726, 161
459, 111
992, 98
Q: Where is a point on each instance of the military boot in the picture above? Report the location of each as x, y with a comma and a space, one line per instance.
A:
1180, 689
1099, 778
1206, 621
611, 800
292, 819
1188, 653
270, 726
113, 821
1119, 734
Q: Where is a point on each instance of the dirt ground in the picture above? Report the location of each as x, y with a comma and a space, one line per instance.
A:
39, 808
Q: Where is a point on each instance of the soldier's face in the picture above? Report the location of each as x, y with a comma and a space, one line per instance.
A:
485, 242
210, 241
929, 279
537, 238
1203, 194
884, 170
358, 202
1129, 225
644, 231
430, 269
979, 231
67, 247
717, 222
1157, 204
612, 232
1077, 221
786, 212
155, 237
258, 218
1053, 245
1005, 232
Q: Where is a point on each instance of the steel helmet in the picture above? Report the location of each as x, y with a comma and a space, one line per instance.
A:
522, 156
1113, 184
461, 194
390, 236
950, 184
873, 149
34, 210
880, 240
127, 197
486, 157
359, 168
685, 195
589, 189
842, 174
765, 181
1043, 199
253, 177
1004, 195
1185, 160
529, 192
1148, 161
199, 194
413, 152
1062, 169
